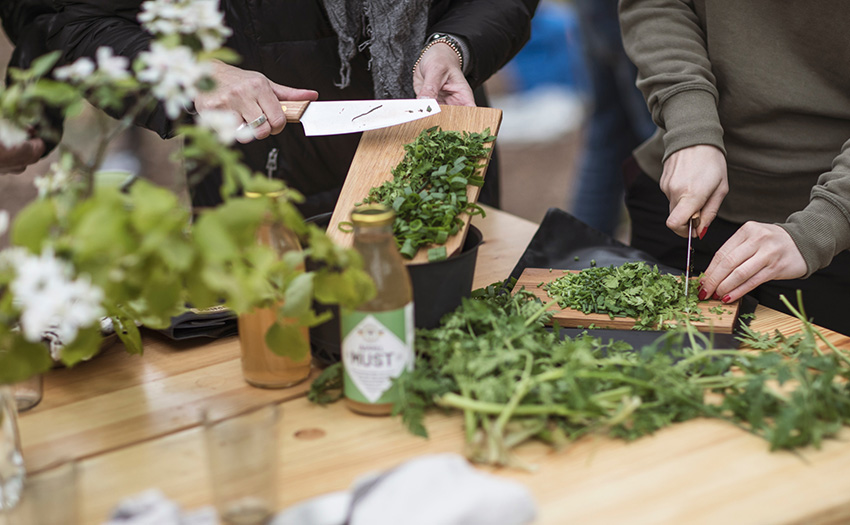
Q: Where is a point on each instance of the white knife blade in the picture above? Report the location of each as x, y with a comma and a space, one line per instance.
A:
351, 116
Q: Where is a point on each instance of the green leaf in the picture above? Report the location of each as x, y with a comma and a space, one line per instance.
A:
21, 359
288, 341
42, 64
33, 224
83, 347
129, 334
298, 296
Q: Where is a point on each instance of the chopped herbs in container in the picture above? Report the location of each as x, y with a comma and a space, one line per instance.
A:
428, 188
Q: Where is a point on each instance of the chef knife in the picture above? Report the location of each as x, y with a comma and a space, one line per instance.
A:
338, 117
692, 223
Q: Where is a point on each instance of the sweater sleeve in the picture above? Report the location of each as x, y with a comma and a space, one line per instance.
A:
665, 40
822, 229
494, 31
83, 26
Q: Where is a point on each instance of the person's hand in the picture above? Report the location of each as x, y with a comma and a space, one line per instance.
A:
439, 76
250, 94
755, 254
694, 180
17, 158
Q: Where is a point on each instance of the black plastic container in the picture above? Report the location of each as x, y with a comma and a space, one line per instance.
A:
438, 288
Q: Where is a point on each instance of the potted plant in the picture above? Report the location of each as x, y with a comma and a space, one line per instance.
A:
93, 249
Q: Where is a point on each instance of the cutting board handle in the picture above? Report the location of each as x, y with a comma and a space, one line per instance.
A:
294, 109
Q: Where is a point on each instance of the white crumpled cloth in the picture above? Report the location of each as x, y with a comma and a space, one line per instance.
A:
441, 489
151, 507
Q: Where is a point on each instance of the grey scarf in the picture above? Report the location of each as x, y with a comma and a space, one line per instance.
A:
396, 30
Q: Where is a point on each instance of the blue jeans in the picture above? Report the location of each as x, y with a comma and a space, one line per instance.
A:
619, 120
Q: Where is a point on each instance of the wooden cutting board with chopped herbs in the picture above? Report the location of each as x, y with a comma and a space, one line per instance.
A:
381, 150
719, 317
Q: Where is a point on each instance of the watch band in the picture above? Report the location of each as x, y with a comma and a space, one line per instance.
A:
442, 38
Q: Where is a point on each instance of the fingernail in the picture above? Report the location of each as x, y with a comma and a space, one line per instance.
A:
702, 233
702, 294
715, 296
727, 299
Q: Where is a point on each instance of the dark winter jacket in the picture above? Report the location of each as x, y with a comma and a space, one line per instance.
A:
293, 43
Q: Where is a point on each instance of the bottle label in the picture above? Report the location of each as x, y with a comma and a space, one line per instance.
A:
376, 347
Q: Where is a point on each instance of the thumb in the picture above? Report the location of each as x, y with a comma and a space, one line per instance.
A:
289, 93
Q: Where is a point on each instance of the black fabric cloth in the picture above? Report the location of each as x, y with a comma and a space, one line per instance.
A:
823, 292
26, 23
563, 242
293, 44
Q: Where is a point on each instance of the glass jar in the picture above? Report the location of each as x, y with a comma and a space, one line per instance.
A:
261, 366
12, 470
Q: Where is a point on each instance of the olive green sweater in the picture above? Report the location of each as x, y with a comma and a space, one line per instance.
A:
767, 82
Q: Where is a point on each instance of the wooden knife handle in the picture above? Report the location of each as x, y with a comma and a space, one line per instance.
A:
294, 109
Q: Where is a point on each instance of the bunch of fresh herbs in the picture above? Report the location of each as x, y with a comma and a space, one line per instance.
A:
428, 188
514, 380
655, 300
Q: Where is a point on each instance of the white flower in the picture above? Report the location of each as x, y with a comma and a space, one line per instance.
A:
56, 180
78, 71
4, 221
174, 74
114, 67
225, 124
49, 299
201, 18
11, 135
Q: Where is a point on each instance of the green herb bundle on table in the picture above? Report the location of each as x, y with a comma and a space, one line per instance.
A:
515, 380
428, 190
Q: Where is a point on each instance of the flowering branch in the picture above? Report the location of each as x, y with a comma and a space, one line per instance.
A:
89, 250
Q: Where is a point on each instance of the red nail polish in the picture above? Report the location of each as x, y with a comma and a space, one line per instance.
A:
702, 233
715, 296
727, 299
702, 294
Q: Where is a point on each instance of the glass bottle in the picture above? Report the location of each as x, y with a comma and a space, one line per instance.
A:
377, 337
12, 469
262, 367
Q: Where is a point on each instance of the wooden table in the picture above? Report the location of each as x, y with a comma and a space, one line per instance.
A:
132, 422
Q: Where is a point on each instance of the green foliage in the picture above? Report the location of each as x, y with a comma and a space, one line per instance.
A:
514, 380
142, 247
428, 189
636, 290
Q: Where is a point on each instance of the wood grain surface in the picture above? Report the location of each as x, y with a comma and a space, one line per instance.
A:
133, 424
381, 150
722, 323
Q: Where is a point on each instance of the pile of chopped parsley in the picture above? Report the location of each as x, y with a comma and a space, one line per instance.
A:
428, 188
655, 300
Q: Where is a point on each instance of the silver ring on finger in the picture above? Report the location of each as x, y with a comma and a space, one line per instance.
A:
257, 122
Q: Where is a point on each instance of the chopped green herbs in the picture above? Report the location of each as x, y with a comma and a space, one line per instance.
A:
428, 188
655, 300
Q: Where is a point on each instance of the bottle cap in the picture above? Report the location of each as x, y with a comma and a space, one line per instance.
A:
372, 215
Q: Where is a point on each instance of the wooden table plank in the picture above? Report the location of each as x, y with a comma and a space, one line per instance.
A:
702, 471
134, 422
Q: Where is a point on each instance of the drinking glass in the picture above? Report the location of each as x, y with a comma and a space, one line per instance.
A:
28, 393
242, 458
50, 497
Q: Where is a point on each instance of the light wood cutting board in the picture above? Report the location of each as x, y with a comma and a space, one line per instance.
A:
381, 150
722, 323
